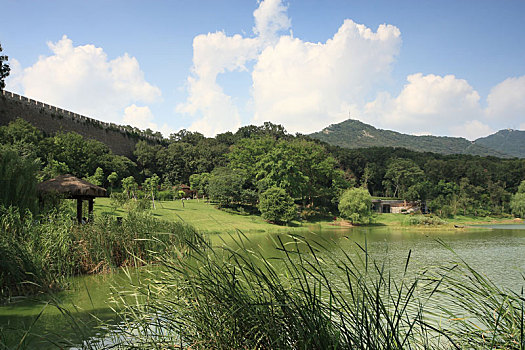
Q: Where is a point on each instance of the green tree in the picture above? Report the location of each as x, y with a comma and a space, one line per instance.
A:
517, 203
151, 187
4, 69
97, 178
199, 183
82, 156
112, 179
147, 157
277, 206
356, 205
400, 175
225, 186
53, 169
129, 185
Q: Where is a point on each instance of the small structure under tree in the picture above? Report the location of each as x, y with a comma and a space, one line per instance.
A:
73, 188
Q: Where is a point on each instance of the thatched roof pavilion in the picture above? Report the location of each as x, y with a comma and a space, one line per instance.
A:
73, 188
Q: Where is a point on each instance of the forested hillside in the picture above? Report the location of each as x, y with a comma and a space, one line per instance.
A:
355, 134
511, 142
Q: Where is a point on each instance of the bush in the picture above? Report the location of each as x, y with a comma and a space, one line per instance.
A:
423, 220
356, 205
138, 204
118, 199
277, 206
166, 195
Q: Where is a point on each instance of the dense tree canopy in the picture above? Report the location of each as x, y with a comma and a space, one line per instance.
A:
234, 169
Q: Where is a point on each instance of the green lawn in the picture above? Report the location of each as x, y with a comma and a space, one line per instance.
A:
207, 218
203, 216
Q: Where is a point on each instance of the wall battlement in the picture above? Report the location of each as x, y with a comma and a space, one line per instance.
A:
73, 115
51, 119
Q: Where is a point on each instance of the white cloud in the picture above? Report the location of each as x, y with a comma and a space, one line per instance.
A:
428, 103
142, 118
306, 86
301, 84
471, 130
506, 102
84, 80
270, 19
213, 54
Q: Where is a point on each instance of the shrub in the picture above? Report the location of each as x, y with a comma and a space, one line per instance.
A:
424, 220
277, 206
118, 199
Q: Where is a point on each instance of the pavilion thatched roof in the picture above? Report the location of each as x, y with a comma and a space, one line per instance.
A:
72, 187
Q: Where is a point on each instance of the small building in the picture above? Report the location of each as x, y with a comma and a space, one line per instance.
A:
394, 206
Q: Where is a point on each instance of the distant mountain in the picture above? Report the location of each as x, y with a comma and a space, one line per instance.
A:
355, 134
508, 141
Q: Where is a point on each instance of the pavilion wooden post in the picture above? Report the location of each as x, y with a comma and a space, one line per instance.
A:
90, 209
79, 210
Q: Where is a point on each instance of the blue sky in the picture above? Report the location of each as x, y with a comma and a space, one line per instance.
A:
421, 67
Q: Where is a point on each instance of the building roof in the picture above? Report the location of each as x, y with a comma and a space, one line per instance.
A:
72, 187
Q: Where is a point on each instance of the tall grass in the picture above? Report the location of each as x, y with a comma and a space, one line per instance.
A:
38, 254
310, 298
17, 179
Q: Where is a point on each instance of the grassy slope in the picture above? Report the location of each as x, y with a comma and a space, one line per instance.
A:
203, 216
207, 218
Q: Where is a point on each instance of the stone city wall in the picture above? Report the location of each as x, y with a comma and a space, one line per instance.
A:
51, 119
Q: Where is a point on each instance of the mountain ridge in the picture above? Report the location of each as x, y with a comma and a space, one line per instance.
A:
353, 133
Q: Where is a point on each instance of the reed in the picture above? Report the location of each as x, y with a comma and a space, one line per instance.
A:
39, 254
310, 298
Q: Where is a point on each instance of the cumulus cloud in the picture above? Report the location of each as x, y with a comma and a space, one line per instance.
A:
471, 130
306, 86
142, 118
429, 102
446, 105
506, 101
300, 84
213, 54
217, 53
84, 80
270, 19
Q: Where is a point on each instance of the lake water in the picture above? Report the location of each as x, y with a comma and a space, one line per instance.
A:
498, 252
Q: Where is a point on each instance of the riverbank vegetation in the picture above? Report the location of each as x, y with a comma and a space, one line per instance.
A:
40, 253
309, 297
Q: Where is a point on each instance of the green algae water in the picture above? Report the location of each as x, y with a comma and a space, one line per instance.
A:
498, 253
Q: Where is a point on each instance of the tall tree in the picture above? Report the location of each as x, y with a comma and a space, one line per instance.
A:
151, 186
400, 175
4, 69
